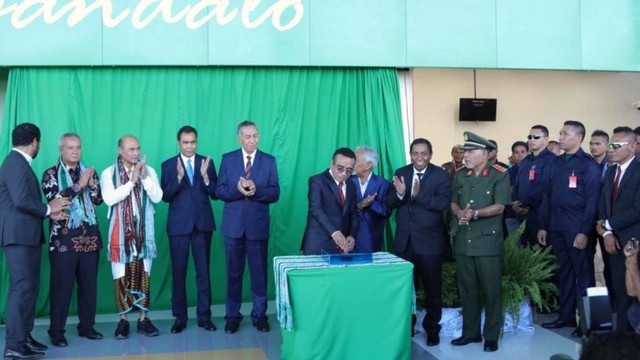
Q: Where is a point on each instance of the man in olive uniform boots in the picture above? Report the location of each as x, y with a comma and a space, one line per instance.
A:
478, 200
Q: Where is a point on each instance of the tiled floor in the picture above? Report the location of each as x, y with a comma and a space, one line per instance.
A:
247, 343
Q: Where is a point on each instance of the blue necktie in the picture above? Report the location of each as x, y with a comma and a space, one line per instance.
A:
190, 171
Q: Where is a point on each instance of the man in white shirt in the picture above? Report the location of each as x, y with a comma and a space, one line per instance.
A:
129, 187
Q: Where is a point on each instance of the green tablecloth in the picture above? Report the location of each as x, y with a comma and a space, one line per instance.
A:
350, 312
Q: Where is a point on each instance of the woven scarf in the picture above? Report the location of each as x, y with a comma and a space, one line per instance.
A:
81, 208
129, 235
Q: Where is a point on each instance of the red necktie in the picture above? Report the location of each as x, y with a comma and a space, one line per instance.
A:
341, 193
616, 185
247, 169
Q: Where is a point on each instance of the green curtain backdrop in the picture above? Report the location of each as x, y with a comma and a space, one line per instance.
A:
302, 114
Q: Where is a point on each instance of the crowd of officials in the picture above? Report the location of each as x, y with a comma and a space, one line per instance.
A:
569, 199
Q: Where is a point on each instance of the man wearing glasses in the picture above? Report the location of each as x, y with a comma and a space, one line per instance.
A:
531, 182
567, 214
333, 219
619, 213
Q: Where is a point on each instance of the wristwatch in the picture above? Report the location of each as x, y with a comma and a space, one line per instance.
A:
476, 214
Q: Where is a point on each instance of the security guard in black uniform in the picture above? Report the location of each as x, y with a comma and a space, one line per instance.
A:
479, 197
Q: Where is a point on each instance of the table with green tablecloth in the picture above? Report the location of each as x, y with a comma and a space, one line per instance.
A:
359, 311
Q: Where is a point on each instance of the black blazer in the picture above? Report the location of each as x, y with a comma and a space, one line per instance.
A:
21, 206
327, 215
625, 220
421, 218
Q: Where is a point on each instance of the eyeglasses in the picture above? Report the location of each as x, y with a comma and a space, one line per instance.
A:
531, 137
618, 145
342, 169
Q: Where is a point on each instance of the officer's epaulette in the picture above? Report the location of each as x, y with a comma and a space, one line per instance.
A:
499, 167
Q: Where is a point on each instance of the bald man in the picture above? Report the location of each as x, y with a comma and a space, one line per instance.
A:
129, 187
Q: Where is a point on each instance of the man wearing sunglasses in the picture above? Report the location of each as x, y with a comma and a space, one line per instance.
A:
531, 182
333, 219
567, 214
619, 213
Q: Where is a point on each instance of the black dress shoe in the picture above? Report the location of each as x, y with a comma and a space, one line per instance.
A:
576, 332
207, 325
461, 341
433, 340
34, 345
231, 327
90, 334
557, 324
23, 353
262, 325
177, 327
58, 340
490, 346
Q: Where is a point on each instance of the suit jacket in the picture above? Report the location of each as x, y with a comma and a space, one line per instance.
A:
625, 220
21, 207
372, 218
421, 219
327, 215
189, 205
241, 214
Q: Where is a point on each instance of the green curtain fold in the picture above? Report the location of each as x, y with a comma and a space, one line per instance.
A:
303, 115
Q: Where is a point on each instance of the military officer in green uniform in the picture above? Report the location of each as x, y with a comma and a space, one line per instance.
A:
479, 196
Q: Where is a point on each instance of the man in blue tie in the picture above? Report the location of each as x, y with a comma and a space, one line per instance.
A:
188, 183
248, 184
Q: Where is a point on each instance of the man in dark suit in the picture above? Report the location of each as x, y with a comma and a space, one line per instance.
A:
619, 213
248, 184
332, 220
188, 181
421, 192
21, 237
371, 196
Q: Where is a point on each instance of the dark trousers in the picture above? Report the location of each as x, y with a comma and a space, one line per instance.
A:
23, 265
200, 243
67, 268
255, 252
428, 270
573, 273
475, 274
623, 301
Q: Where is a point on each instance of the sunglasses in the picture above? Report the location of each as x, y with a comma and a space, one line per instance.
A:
341, 169
531, 137
618, 145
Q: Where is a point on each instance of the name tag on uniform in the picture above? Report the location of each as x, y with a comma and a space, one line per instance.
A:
532, 174
573, 182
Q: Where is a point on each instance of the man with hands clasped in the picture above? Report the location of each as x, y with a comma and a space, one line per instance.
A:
248, 183
619, 213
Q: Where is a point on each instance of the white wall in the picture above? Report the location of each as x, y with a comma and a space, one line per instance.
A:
525, 97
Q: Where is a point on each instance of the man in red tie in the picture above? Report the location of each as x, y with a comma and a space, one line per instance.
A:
333, 219
247, 183
618, 213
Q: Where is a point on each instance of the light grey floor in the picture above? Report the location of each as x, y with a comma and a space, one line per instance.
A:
522, 345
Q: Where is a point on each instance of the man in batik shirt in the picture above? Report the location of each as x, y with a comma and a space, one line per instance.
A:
75, 243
